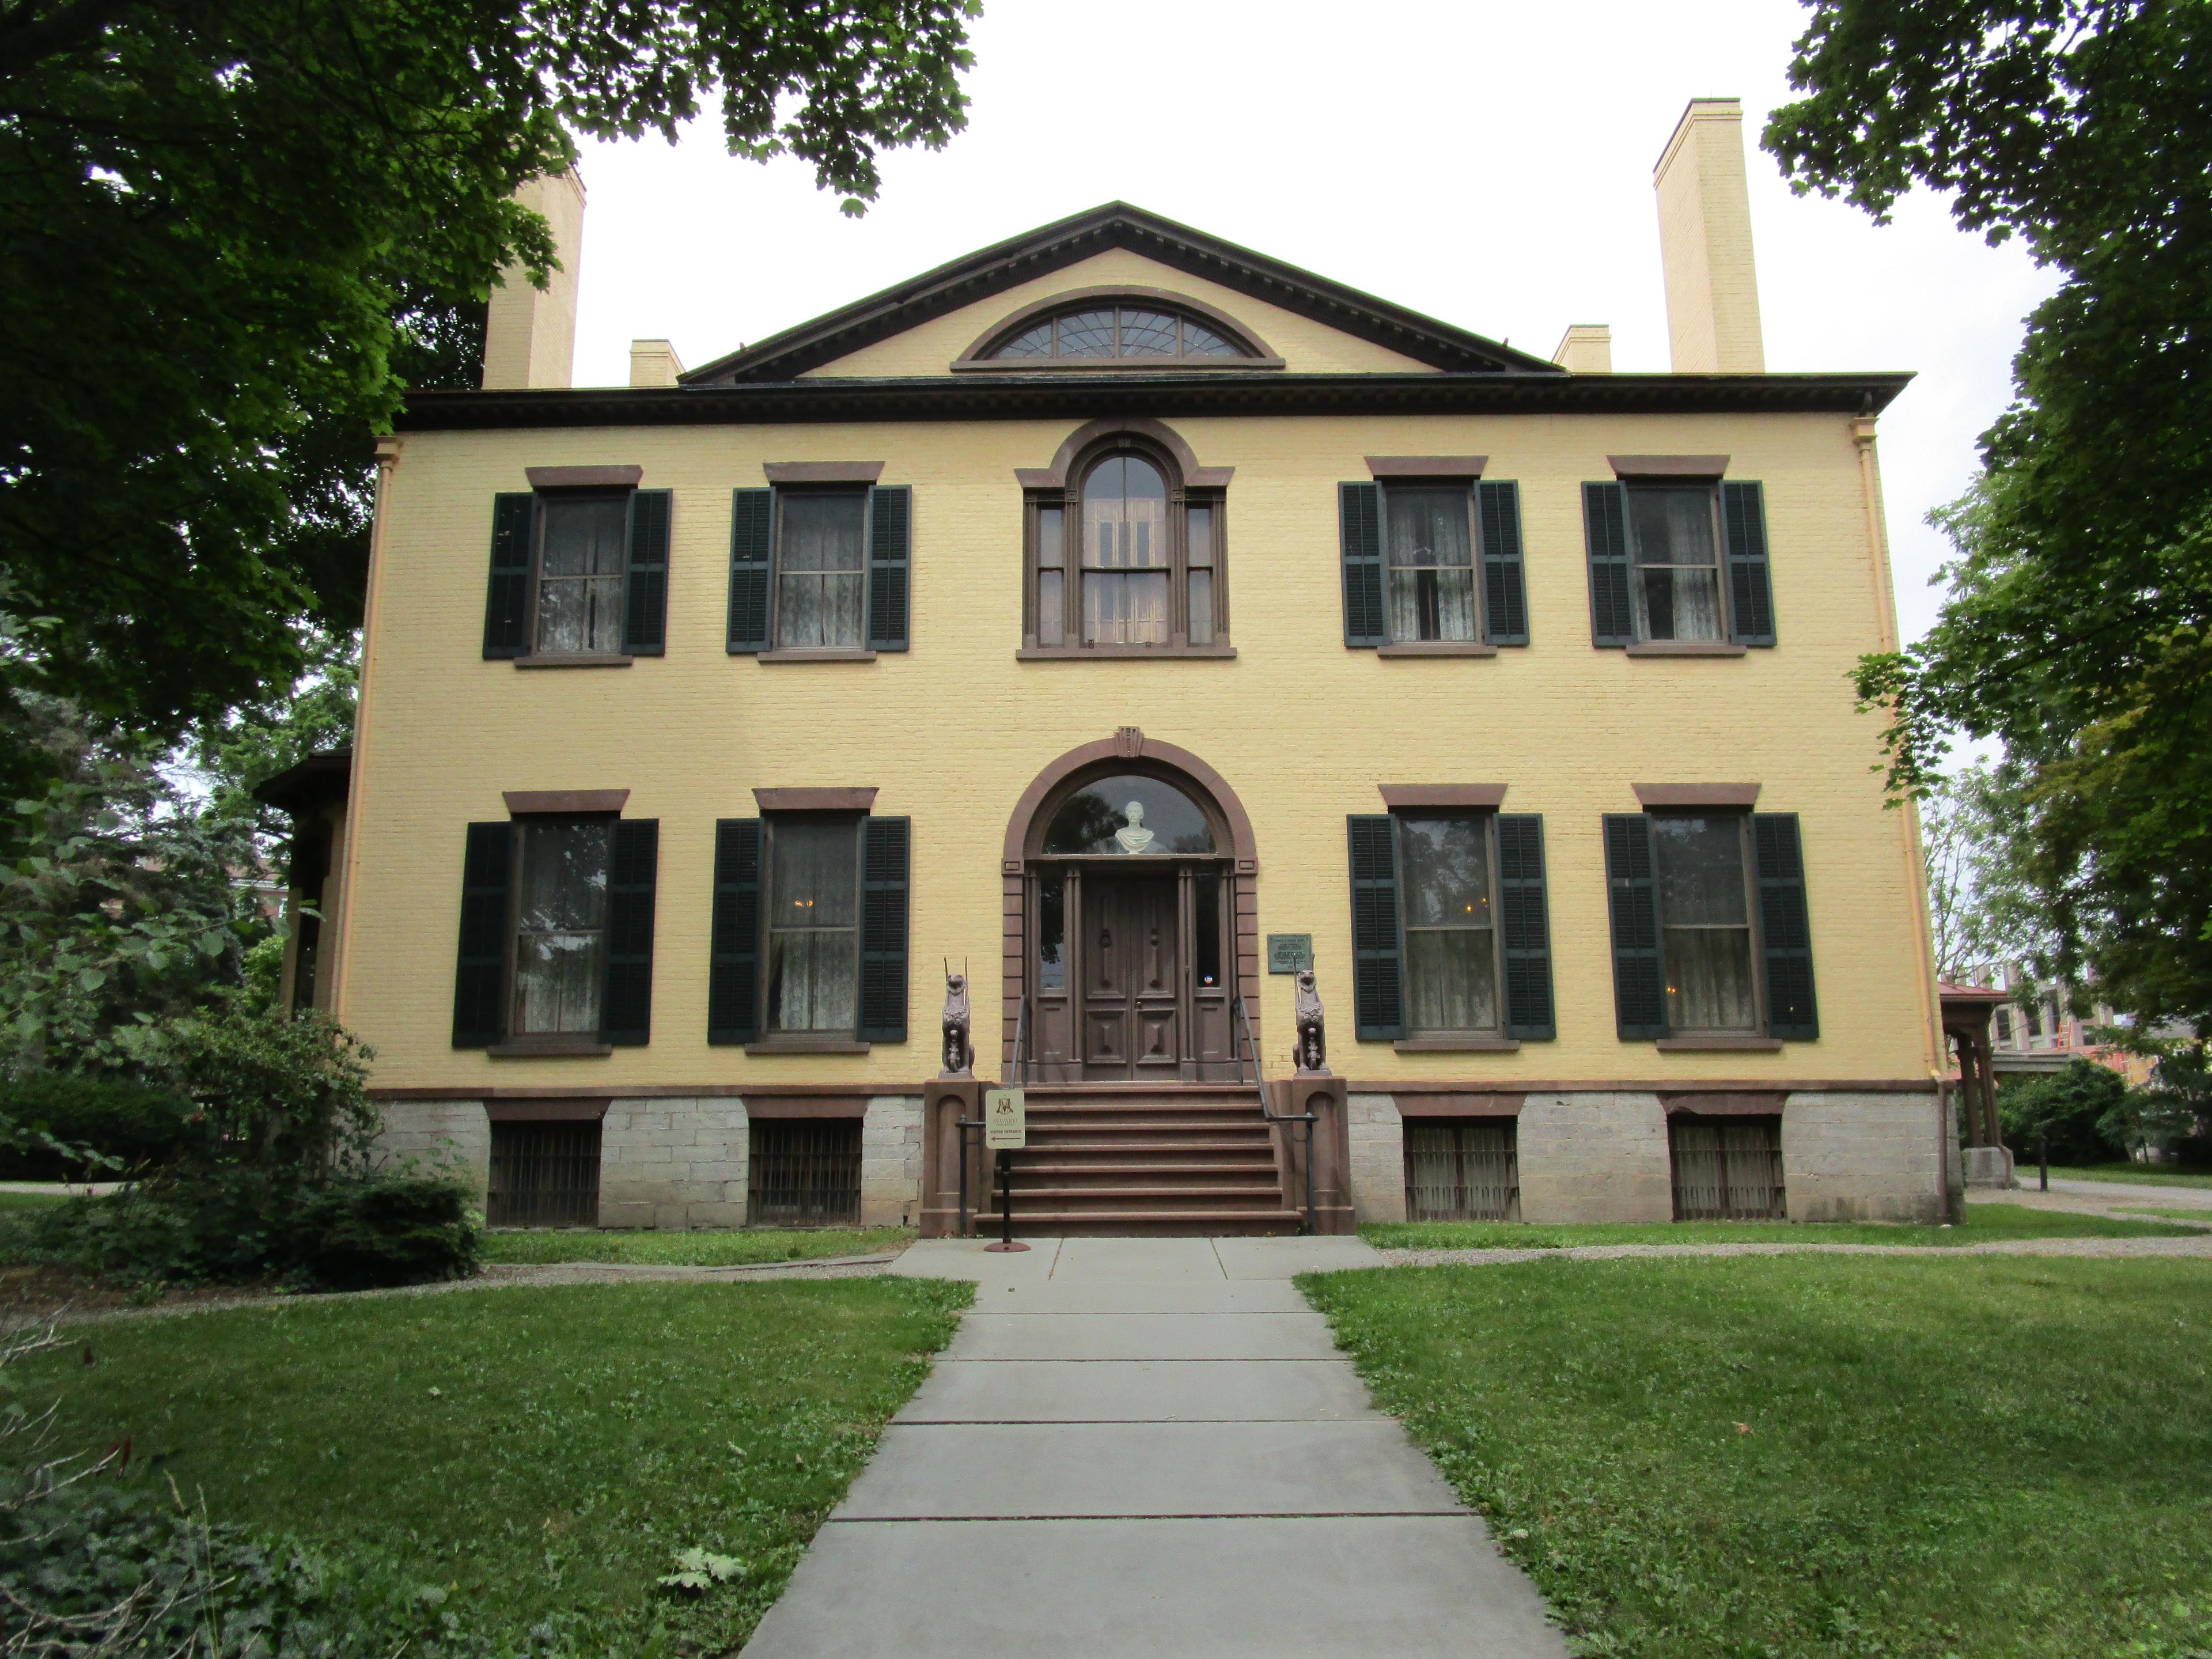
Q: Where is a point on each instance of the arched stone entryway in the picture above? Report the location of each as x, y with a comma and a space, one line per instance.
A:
1129, 943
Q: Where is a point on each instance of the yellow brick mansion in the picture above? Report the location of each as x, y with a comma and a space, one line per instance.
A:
1128, 621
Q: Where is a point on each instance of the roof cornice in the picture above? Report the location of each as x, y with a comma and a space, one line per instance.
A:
976, 277
988, 397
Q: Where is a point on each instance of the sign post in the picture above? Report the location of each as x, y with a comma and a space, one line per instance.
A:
1005, 1132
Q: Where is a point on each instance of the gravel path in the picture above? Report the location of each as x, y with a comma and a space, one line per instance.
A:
2162, 1247
498, 1276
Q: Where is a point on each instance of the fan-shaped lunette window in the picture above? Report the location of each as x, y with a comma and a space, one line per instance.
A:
1093, 331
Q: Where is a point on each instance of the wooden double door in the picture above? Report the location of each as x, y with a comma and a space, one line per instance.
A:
1130, 972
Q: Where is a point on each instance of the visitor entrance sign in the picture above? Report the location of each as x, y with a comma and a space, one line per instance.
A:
1005, 1120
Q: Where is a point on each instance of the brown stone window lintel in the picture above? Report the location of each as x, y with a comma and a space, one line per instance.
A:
1406, 796
545, 1111
807, 472
1649, 795
525, 803
1426, 466
584, 478
1667, 466
815, 800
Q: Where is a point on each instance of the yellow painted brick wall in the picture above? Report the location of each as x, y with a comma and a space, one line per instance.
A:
954, 730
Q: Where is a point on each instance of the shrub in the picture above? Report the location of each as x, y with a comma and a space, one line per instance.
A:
133, 1123
387, 1229
2068, 1105
352, 1232
282, 1092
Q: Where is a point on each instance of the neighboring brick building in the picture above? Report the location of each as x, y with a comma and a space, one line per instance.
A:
1136, 612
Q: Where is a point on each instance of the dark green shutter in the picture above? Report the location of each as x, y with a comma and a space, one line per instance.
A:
734, 961
507, 607
883, 865
645, 601
1527, 933
626, 1006
890, 532
480, 975
1360, 524
1751, 594
1505, 604
1378, 1006
753, 541
1639, 990
1786, 933
1605, 528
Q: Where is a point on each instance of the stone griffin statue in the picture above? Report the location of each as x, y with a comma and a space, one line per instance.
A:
1312, 1052
959, 1053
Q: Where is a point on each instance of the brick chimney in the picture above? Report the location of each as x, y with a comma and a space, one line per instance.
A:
1704, 242
530, 336
654, 363
1585, 349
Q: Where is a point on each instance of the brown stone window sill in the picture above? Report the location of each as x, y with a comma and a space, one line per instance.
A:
828, 654
535, 1047
1437, 648
1719, 1043
793, 1044
1081, 653
1469, 1043
607, 660
1687, 648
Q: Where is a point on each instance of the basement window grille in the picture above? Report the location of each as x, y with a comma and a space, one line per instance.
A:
1727, 1170
1463, 1171
804, 1172
544, 1174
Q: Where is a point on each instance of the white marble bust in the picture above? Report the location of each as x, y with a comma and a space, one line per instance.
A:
1132, 837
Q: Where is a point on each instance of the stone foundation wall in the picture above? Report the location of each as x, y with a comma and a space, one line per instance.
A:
1377, 1134
437, 1137
891, 1162
1846, 1157
1595, 1157
673, 1165
1863, 1157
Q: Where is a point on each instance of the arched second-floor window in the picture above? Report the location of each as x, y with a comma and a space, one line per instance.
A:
1126, 560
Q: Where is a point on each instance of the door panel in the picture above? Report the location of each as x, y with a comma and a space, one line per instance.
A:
1132, 982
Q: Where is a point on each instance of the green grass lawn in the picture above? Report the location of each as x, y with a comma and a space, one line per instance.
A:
535, 1452
2200, 1213
1813, 1457
699, 1249
33, 1201
1985, 1223
2132, 1174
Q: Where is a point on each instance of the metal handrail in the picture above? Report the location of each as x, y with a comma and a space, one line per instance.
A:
1248, 1044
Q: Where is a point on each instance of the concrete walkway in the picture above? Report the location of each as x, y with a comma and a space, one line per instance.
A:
1148, 1447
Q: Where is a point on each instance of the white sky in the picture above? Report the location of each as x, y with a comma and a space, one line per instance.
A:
1489, 165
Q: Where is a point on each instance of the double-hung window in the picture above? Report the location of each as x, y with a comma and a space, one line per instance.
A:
810, 929
1431, 565
557, 931
1711, 944
1127, 563
1678, 565
1450, 941
579, 572
818, 571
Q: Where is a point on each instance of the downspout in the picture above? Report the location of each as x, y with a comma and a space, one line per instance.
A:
1908, 815
387, 462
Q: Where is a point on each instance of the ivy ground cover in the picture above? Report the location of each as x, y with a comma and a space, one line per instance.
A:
527, 1457
1821, 1457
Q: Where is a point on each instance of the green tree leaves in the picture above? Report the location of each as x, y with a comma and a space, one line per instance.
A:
2078, 631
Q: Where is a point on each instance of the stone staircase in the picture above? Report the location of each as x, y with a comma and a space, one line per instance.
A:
1139, 1158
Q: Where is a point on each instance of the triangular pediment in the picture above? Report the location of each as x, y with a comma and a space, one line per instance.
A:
1284, 318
